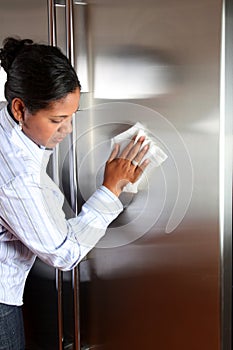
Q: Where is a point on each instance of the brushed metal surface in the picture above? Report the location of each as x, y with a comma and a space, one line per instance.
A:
20, 18
150, 287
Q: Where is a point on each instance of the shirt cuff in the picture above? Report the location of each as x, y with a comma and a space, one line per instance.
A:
109, 193
106, 204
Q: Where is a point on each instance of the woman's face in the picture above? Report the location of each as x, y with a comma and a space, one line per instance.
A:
48, 127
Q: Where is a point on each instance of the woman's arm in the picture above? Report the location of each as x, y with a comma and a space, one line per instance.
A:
32, 211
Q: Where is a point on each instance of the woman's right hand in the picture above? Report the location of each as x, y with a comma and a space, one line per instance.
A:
126, 167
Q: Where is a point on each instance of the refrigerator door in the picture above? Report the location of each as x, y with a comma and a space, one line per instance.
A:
154, 280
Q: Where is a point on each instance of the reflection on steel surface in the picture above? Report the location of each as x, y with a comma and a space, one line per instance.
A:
164, 194
130, 73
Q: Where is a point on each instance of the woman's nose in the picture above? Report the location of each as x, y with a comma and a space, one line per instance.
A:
66, 126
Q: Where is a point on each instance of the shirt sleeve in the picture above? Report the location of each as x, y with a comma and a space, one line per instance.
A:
33, 214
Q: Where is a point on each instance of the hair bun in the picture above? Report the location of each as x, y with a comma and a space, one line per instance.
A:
11, 48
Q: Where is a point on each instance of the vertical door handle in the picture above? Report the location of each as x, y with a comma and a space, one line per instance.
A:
69, 30
73, 172
55, 175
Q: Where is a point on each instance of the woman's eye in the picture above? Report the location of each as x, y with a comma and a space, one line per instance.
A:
56, 121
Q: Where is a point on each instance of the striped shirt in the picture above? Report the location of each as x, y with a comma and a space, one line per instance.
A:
32, 222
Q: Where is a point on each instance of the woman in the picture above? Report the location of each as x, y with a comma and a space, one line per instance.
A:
42, 92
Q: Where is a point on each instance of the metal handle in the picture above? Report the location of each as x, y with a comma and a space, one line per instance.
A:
55, 176
72, 139
52, 23
59, 282
73, 175
68, 4
69, 31
53, 42
81, 62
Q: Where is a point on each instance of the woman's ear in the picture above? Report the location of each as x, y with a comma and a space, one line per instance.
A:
17, 109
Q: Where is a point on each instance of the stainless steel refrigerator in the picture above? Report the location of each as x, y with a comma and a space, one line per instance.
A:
161, 278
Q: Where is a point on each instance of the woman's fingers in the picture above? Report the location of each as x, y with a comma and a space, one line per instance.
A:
114, 152
131, 152
135, 149
126, 167
132, 149
139, 169
140, 155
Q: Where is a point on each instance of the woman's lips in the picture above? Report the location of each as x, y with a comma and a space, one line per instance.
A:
59, 139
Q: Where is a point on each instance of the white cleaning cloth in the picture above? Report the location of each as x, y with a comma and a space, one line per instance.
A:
156, 155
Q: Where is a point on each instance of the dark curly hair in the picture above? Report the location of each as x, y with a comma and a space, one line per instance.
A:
38, 74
